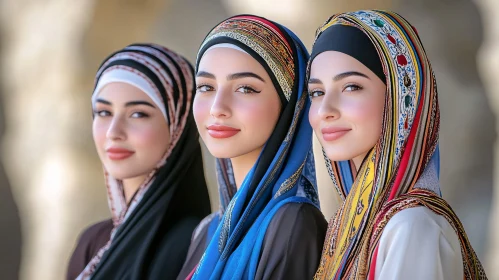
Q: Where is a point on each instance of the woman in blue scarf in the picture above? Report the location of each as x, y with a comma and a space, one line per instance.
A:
251, 111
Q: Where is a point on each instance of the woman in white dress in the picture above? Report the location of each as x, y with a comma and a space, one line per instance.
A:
375, 112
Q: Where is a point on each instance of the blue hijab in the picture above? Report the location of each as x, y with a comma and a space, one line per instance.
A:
284, 172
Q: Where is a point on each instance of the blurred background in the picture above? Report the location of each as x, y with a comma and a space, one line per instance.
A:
51, 181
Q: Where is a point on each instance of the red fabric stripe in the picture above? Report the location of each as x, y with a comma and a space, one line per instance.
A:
267, 23
407, 152
372, 267
189, 277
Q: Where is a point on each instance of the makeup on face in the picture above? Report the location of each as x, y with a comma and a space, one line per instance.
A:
236, 106
117, 153
222, 131
332, 133
347, 105
130, 132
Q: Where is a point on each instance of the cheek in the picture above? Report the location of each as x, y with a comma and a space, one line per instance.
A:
149, 138
366, 116
99, 130
201, 109
313, 115
259, 116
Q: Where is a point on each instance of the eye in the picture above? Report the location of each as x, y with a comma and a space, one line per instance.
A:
139, 115
102, 113
247, 90
315, 93
352, 87
204, 88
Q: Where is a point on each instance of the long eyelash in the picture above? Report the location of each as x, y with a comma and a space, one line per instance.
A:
250, 88
142, 114
358, 87
311, 92
203, 85
97, 112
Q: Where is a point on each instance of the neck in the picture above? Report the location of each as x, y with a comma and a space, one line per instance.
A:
241, 165
357, 161
131, 186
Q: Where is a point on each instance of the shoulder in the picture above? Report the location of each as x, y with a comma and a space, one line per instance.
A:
91, 240
293, 243
417, 243
419, 224
100, 230
299, 214
295, 221
95, 237
419, 219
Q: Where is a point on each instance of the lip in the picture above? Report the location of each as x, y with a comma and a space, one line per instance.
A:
222, 131
332, 133
115, 153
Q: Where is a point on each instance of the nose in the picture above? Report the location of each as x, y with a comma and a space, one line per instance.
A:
220, 108
329, 108
116, 130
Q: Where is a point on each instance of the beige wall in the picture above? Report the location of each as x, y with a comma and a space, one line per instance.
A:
10, 224
488, 62
51, 49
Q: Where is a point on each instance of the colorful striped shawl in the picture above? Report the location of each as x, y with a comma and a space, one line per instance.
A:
284, 172
401, 171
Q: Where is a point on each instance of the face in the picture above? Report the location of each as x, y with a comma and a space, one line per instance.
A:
347, 106
130, 132
236, 106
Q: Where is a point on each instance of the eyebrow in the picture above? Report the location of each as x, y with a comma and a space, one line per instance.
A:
128, 104
134, 103
241, 75
205, 74
348, 74
314, 81
100, 100
339, 77
231, 77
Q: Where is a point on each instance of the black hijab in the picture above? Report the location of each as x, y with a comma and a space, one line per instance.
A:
152, 233
353, 42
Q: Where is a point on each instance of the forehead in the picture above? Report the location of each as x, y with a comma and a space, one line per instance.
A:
332, 63
227, 60
121, 92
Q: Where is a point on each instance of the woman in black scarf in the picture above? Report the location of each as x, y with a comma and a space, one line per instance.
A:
147, 140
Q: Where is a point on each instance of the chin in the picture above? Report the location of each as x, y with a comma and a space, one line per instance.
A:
120, 174
223, 153
226, 151
338, 154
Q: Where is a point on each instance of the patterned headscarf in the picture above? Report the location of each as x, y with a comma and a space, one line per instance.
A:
167, 78
401, 171
284, 172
